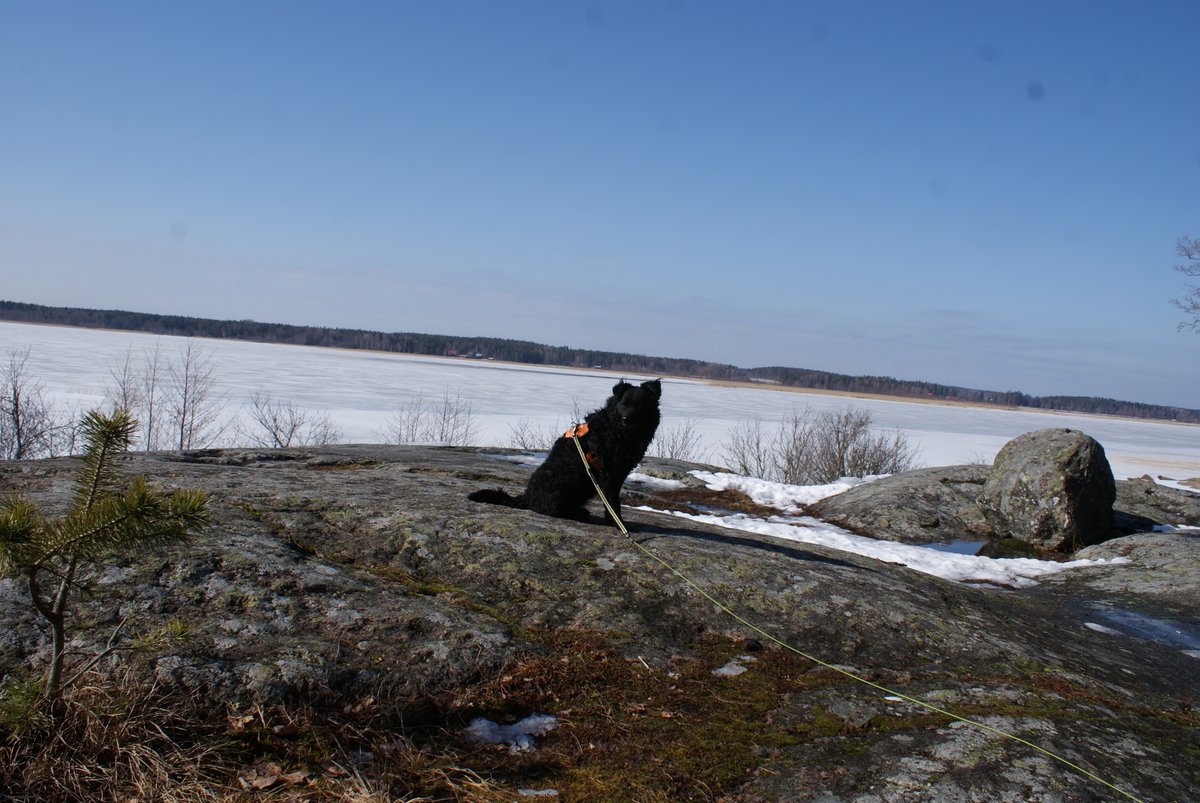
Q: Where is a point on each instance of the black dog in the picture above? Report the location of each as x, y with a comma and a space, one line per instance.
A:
614, 440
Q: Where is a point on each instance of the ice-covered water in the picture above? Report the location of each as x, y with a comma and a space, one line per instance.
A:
360, 390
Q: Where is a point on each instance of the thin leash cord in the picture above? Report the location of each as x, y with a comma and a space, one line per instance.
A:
824, 664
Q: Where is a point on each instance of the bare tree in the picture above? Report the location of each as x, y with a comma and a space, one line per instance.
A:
27, 421
748, 450
524, 435
845, 445
452, 422
680, 441
320, 430
65, 431
142, 391
792, 449
406, 424
815, 449
152, 400
449, 422
194, 407
282, 424
1189, 302
125, 391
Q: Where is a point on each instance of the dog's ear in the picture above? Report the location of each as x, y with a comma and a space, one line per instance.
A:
654, 386
620, 388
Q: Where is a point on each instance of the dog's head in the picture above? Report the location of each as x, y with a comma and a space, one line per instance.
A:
634, 404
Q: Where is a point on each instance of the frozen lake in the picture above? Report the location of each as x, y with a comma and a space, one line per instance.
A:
361, 390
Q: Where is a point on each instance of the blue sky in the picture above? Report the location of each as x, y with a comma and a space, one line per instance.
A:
977, 193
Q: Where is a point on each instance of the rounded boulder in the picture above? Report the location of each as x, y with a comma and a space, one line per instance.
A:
1052, 489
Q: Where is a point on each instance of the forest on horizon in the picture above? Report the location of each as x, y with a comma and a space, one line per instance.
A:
522, 351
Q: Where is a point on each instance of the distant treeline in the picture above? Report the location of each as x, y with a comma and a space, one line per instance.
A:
887, 386
523, 351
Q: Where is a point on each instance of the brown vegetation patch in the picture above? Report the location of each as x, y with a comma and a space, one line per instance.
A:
114, 739
630, 731
342, 466
707, 500
626, 730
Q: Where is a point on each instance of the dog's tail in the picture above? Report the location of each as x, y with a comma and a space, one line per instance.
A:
495, 496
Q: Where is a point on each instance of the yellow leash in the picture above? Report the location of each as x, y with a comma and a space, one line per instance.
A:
891, 692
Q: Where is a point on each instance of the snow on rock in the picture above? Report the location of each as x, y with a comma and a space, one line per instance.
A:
655, 483
787, 498
735, 667
518, 736
1006, 572
1101, 629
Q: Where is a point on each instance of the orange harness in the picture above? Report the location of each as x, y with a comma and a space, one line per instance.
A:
578, 431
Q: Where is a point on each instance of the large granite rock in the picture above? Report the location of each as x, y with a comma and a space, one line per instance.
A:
1052, 489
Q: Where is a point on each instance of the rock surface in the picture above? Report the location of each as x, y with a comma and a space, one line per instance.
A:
360, 568
1162, 579
929, 505
1142, 503
1052, 489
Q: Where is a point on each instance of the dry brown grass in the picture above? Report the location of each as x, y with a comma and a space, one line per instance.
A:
626, 730
127, 740
114, 740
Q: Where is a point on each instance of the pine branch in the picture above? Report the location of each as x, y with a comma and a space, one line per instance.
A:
20, 523
106, 435
140, 517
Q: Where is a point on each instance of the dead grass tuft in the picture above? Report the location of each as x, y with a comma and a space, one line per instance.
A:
115, 740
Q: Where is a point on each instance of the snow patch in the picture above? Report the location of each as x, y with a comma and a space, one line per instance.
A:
656, 483
1004, 572
1182, 528
1102, 629
788, 498
734, 667
518, 736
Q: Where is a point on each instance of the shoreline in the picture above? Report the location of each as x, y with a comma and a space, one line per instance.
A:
941, 402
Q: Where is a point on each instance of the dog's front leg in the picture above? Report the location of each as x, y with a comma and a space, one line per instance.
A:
613, 495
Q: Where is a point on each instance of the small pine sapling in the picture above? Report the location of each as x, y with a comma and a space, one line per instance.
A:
55, 555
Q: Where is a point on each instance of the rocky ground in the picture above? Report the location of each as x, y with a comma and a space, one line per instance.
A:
363, 573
